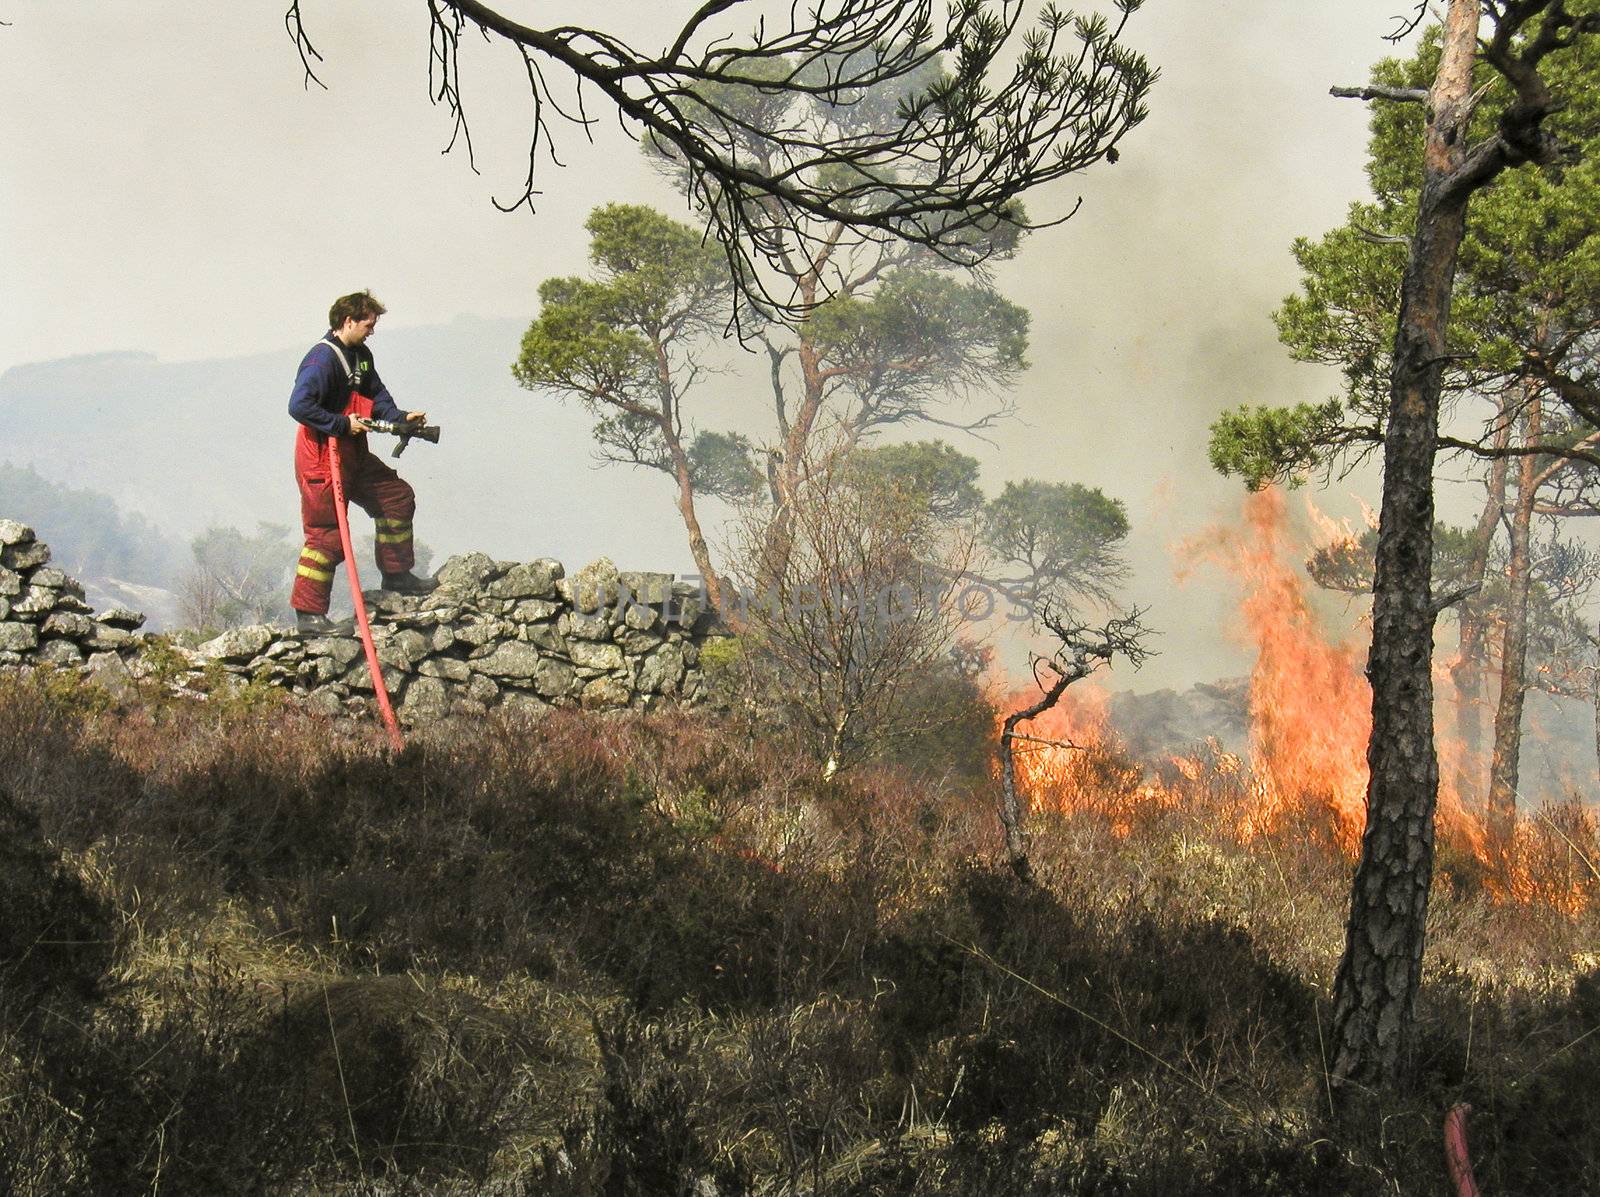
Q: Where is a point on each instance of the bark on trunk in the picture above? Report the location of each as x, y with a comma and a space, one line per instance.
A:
1504, 768
1375, 990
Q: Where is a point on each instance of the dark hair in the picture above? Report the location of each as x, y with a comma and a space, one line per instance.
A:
358, 306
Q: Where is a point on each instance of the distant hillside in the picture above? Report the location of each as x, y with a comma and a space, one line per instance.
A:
188, 445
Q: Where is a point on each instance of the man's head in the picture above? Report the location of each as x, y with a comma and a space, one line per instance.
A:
352, 317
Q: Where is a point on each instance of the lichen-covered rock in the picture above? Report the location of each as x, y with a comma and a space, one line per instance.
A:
645, 588
121, 617
342, 649
427, 701
34, 602
582, 625
18, 637
514, 660
605, 693
466, 571
237, 644
12, 532
586, 654
59, 652
534, 611
533, 580
481, 689
522, 703
10, 582
69, 624
446, 667
25, 554
662, 670
594, 588
553, 679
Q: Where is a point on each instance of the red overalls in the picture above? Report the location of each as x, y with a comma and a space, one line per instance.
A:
368, 483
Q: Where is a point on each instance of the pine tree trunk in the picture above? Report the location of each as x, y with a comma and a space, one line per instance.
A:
1504, 768
1375, 990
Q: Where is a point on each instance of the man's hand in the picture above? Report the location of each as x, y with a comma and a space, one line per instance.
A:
357, 424
417, 417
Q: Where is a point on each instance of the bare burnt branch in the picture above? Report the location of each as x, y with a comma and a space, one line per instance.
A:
302, 44
1406, 25
980, 121
1376, 91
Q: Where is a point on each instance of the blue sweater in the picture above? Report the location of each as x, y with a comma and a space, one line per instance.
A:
322, 389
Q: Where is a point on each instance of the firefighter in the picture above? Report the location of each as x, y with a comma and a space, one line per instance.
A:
335, 392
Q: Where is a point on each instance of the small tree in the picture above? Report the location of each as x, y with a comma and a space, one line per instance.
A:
237, 579
1079, 650
862, 611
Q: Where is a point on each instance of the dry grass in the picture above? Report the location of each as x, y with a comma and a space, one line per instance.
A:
246, 952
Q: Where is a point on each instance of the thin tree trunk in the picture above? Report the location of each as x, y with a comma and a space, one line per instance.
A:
1504, 767
1379, 974
1471, 664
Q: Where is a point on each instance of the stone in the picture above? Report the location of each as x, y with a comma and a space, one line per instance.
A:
121, 617
69, 624
59, 652
442, 639
588, 655
29, 555
662, 670
11, 532
553, 678
106, 638
584, 626
394, 679
605, 693
18, 637
325, 702
466, 571
481, 689
466, 708
520, 702
54, 579
5, 608
650, 589
342, 649
689, 603
546, 636
534, 611
446, 667
237, 644
10, 582
535, 579
427, 701
67, 601
318, 671
35, 601
110, 671
593, 588
412, 645
483, 631
514, 659
640, 618
636, 643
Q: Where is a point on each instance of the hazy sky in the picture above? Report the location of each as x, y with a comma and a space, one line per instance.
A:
168, 185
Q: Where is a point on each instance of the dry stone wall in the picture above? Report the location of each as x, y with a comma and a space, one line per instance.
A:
520, 635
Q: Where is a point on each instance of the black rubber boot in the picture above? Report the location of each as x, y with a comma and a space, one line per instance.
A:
308, 623
408, 584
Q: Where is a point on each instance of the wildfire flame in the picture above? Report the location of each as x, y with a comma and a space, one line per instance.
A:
1310, 719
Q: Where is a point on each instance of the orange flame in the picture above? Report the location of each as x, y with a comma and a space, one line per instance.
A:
1310, 717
